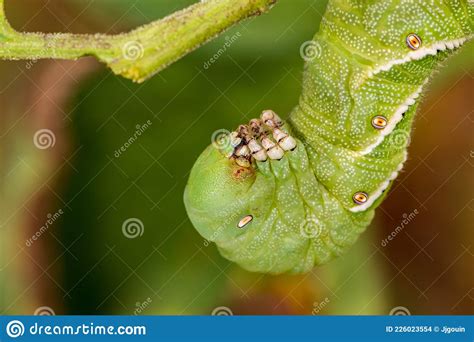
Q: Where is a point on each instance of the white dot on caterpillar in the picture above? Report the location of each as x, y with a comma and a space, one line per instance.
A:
413, 41
360, 198
245, 221
379, 122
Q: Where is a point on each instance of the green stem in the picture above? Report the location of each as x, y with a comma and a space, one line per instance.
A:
141, 53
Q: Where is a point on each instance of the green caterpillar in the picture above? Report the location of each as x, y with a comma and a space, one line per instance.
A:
284, 196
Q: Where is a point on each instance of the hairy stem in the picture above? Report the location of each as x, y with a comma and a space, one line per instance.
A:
140, 53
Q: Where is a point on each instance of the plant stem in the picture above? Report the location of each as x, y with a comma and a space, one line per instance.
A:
140, 53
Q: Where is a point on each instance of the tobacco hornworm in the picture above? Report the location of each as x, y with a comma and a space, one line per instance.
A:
283, 197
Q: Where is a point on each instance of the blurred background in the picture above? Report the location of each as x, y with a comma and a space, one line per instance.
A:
65, 200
